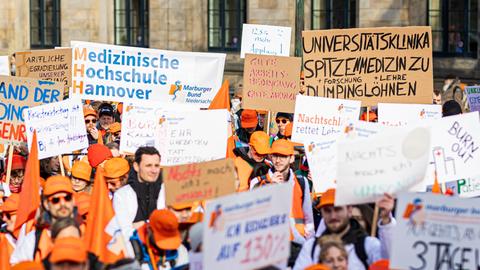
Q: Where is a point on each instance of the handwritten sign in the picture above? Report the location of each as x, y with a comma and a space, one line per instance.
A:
17, 94
391, 161
4, 65
316, 117
265, 39
396, 114
473, 97
186, 137
373, 65
199, 181
50, 65
60, 127
271, 82
248, 230
119, 73
436, 232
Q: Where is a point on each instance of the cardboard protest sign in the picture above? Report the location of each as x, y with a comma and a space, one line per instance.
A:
390, 161
186, 137
322, 153
435, 232
199, 181
271, 82
50, 65
387, 64
473, 97
4, 65
248, 230
119, 73
60, 127
17, 94
316, 117
395, 114
266, 40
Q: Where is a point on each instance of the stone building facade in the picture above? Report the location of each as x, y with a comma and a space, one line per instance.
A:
184, 24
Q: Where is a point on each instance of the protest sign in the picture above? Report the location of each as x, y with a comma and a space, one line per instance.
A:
265, 39
395, 114
60, 127
18, 94
322, 153
119, 73
388, 64
316, 117
248, 230
271, 82
49, 65
465, 188
390, 161
199, 181
473, 97
186, 137
4, 65
436, 232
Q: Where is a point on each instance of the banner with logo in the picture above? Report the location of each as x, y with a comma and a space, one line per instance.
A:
396, 114
465, 188
435, 232
120, 73
317, 117
473, 97
384, 64
248, 230
17, 94
265, 39
60, 127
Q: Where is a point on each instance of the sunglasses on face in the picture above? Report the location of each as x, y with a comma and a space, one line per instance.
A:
283, 121
116, 134
88, 121
56, 200
6, 215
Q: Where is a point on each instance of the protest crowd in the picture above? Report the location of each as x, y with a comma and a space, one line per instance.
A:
248, 180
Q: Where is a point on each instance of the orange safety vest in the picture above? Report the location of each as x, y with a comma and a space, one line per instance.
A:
231, 145
244, 170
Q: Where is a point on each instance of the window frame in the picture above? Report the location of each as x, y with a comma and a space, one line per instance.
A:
347, 22
144, 24
41, 28
241, 14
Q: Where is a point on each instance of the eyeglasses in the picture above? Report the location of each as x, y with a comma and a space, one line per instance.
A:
56, 200
283, 121
6, 215
17, 174
88, 121
116, 134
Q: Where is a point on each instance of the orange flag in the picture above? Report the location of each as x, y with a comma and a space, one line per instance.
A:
222, 98
103, 236
6, 251
30, 194
436, 186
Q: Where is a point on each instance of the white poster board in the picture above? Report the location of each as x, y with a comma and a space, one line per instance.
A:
317, 117
398, 114
265, 39
120, 73
60, 127
186, 137
435, 232
389, 162
248, 230
4, 65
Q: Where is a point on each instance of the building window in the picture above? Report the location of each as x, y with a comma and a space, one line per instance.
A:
131, 22
329, 14
225, 20
44, 23
454, 27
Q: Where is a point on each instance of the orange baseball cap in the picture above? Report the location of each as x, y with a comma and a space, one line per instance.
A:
328, 198
380, 265
282, 147
289, 129
56, 184
261, 142
372, 116
68, 249
82, 200
82, 170
249, 118
164, 225
88, 111
318, 267
11, 204
28, 265
97, 153
115, 127
120, 108
116, 167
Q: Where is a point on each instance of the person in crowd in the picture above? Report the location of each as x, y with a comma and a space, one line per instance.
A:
252, 158
90, 116
164, 244
16, 175
338, 221
65, 227
333, 253
98, 154
49, 167
82, 201
452, 90
8, 213
363, 214
114, 148
437, 97
69, 253
116, 173
28, 265
115, 132
134, 202
371, 117
249, 124
450, 108
57, 202
81, 176
282, 120
105, 118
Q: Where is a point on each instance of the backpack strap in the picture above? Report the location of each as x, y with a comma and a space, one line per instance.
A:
312, 254
360, 250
